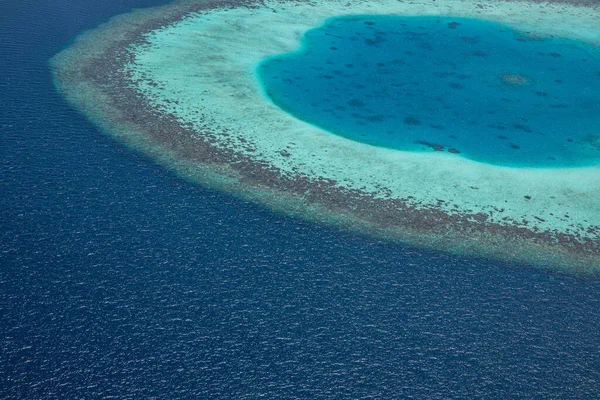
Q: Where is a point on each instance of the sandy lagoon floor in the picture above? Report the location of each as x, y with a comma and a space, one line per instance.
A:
179, 83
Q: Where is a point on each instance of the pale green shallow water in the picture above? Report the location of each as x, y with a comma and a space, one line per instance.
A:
202, 70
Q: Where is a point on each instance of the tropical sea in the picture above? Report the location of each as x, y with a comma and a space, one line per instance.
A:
472, 87
118, 279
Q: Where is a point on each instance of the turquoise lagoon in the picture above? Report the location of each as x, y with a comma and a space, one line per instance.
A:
471, 87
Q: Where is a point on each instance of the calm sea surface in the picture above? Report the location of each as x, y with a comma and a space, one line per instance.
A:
479, 89
119, 280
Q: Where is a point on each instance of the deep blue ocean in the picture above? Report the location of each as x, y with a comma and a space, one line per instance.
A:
119, 280
476, 88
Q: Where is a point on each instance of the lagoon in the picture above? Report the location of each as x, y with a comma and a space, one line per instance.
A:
475, 88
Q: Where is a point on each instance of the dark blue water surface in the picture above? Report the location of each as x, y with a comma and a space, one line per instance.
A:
471, 87
117, 279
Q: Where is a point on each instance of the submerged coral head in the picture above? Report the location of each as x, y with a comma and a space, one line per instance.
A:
514, 79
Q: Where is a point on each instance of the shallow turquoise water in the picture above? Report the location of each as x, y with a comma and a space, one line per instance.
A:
475, 88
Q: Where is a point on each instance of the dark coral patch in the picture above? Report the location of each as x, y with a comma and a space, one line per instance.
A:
413, 121
522, 127
356, 103
434, 146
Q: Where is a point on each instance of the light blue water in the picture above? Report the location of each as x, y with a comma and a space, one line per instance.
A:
475, 88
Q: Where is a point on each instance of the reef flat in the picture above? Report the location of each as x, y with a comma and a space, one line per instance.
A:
179, 83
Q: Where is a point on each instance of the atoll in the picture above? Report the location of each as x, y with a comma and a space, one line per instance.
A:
178, 83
